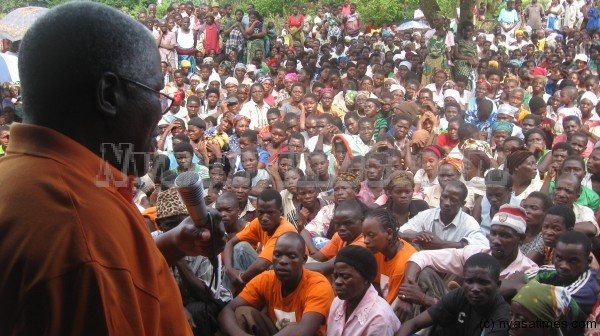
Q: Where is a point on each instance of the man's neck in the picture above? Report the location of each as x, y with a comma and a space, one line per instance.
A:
288, 287
446, 219
504, 263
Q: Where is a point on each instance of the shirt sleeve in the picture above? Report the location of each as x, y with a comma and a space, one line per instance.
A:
446, 260
414, 224
476, 237
332, 247
250, 233
319, 298
253, 290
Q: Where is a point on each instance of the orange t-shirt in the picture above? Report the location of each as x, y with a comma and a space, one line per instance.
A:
254, 234
391, 272
336, 243
76, 255
314, 294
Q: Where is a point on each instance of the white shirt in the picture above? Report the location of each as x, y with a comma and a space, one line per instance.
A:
585, 214
462, 227
422, 179
256, 114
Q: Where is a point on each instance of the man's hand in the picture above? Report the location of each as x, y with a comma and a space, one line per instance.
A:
403, 310
187, 239
411, 292
428, 240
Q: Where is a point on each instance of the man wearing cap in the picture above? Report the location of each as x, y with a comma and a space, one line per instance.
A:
498, 191
296, 300
192, 273
506, 234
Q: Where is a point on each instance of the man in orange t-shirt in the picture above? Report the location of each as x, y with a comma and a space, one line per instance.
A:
347, 217
297, 300
264, 230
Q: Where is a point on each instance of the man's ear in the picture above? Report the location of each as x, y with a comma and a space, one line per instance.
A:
107, 93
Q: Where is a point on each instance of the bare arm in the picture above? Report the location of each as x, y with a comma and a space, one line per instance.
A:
311, 322
325, 268
477, 209
227, 320
196, 285
423, 320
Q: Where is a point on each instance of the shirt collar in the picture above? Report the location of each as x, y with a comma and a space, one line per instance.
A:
34, 140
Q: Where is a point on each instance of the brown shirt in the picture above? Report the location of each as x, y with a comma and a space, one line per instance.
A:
76, 256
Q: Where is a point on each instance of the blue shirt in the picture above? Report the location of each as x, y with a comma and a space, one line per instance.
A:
471, 116
507, 16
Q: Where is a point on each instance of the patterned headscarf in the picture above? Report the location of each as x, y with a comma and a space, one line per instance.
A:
291, 77
365, 94
454, 162
350, 97
516, 158
239, 117
264, 78
547, 302
502, 126
402, 178
477, 145
350, 178
169, 204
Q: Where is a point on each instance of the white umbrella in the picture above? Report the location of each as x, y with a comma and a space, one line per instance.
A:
16, 23
9, 72
413, 25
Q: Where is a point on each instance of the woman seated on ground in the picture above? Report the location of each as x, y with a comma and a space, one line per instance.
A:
400, 197
535, 205
354, 271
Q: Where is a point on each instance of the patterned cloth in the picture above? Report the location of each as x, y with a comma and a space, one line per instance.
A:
548, 302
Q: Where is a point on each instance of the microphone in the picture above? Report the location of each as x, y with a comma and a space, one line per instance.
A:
190, 188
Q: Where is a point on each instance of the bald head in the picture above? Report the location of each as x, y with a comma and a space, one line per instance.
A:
106, 68
65, 53
292, 239
227, 198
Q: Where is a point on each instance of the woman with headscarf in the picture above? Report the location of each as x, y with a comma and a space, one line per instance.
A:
450, 169
355, 269
288, 81
465, 54
439, 41
344, 148
426, 176
400, 190
521, 164
538, 304
255, 33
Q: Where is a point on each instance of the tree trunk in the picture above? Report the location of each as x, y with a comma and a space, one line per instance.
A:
429, 8
466, 11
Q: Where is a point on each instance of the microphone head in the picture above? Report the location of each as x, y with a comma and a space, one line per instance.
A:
191, 190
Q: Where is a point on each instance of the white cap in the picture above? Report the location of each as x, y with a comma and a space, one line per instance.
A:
418, 14
581, 57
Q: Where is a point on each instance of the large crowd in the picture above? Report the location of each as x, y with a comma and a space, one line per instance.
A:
374, 180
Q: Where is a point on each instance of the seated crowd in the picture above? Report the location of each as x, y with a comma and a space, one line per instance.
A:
366, 187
